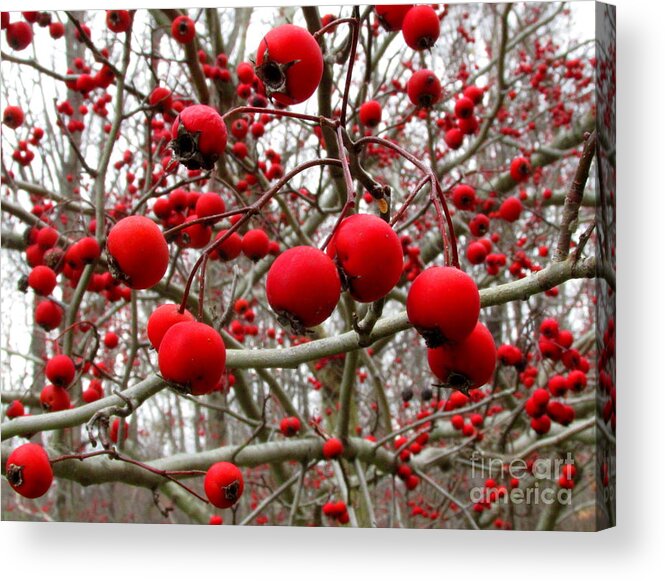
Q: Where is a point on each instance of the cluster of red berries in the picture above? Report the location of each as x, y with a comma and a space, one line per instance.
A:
462, 353
304, 284
336, 511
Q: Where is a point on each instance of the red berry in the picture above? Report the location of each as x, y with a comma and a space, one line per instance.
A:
333, 448
195, 236
550, 328
443, 304
223, 484
13, 116
111, 340
255, 244
114, 432
464, 108
391, 16
468, 364
215, 519
290, 64
118, 20
192, 356
47, 238
42, 280
474, 93
420, 27
162, 319
369, 255
60, 370
29, 471
369, 113
48, 315
303, 287
209, 204
479, 225
183, 29
245, 72
424, 88
161, 98
464, 197
454, 138
198, 137
289, 426
19, 35
520, 169
476, 253
229, 249
56, 30
510, 209
54, 399
15, 410
138, 253
542, 424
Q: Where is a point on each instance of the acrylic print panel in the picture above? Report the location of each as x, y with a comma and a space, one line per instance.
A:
310, 266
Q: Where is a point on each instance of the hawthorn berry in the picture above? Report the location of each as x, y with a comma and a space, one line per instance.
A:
56, 30
454, 138
183, 29
443, 305
54, 398
476, 253
465, 365
369, 113
424, 88
13, 116
18, 35
464, 197
255, 244
520, 169
209, 204
118, 20
161, 98
229, 249
162, 319
111, 340
198, 137
60, 370
289, 63
48, 315
137, 252
464, 108
332, 448
29, 471
391, 16
192, 357
369, 256
15, 410
223, 484
114, 431
479, 225
510, 209
421, 27
303, 287
289, 426
215, 519
42, 280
